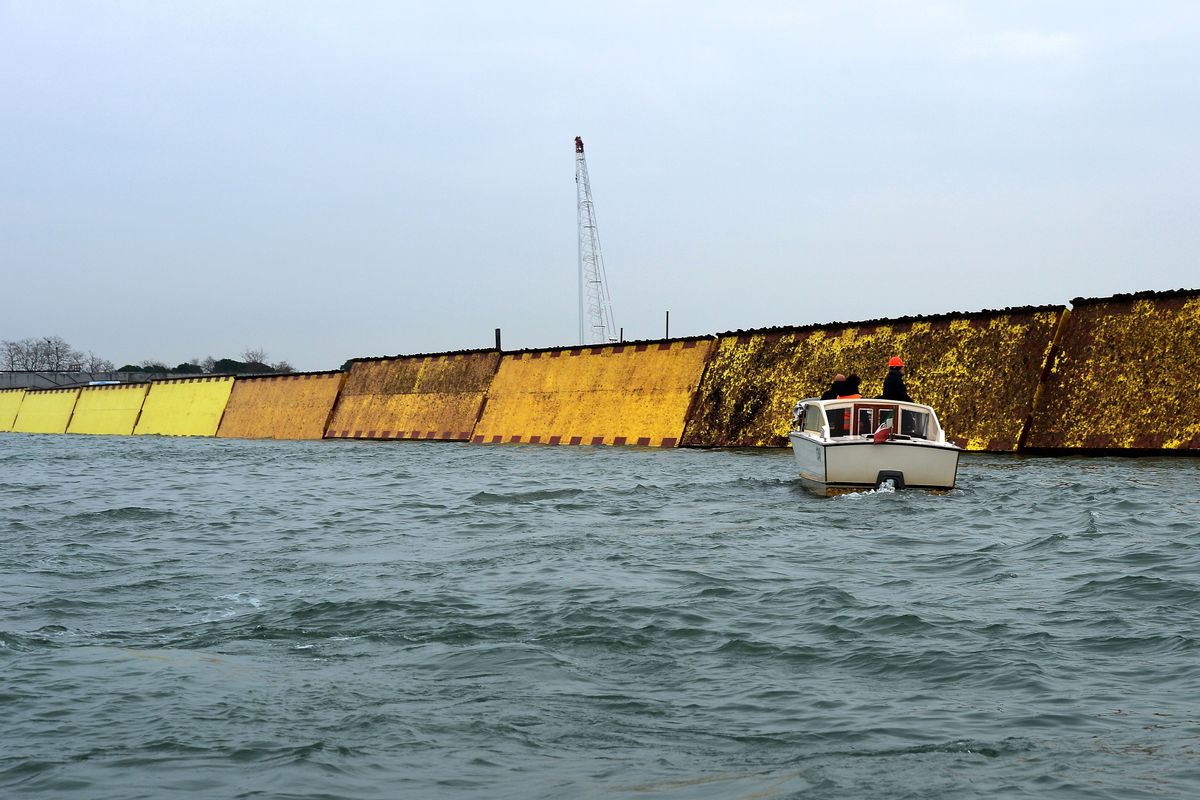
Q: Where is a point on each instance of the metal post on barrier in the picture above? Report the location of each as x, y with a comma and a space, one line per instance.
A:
497, 339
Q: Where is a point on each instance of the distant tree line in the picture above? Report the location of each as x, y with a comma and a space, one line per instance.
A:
49, 354
53, 354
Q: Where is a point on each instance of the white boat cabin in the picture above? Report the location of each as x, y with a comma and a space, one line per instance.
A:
861, 418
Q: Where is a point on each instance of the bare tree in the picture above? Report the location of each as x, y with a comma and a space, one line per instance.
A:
36, 355
258, 356
282, 366
11, 353
60, 356
21, 355
44, 353
94, 363
208, 363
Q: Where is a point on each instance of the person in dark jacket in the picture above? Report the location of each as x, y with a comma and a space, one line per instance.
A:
850, 387
835, 388
893, 384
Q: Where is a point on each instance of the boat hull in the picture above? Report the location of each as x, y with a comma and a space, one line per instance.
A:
832, 467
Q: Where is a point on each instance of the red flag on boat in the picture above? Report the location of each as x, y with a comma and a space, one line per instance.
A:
883, 432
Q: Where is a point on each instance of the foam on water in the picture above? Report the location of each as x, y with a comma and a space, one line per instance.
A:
207, 618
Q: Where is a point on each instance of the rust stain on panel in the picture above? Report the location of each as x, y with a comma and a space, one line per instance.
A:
978, 371
608, 394
434, 398
1126, 376
288, 407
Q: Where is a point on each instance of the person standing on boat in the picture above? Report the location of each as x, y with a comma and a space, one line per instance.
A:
835, 388
893, 384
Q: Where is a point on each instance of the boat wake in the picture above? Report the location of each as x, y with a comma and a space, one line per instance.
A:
885, 487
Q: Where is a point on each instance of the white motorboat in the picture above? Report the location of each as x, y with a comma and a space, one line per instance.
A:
851, 444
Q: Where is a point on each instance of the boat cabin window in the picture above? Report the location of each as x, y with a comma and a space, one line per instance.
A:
812, 419
839, 421
869, 418
914, 424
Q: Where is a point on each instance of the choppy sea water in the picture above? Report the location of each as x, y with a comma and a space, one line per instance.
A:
214, 618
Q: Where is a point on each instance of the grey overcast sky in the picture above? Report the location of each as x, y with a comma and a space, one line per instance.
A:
339, 179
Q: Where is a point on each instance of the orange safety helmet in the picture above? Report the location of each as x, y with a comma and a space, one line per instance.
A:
895, 362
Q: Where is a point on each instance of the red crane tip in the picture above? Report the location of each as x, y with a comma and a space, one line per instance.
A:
578, 144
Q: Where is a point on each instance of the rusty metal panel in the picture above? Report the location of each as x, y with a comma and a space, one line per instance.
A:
635, 393
295, 406
1126, 376
413, 397
979, 371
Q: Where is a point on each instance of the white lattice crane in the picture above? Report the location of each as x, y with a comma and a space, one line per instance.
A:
595, 306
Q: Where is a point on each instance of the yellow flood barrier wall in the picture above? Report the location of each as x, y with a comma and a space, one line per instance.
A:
294, 406
45, 411
434, 396
10, 403
979, 371
634, 393
1126, 376
184, 406
110, 410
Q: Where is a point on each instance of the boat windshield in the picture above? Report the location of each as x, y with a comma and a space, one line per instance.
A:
865, 418
870, 418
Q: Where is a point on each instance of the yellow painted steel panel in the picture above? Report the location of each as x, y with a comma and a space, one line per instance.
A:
615, 394
45, 411
978, 371
184, 407
413, 397
109, 410
281, 406
1126, 377
10, 403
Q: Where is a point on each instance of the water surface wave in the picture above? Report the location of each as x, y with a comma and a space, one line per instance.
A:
204, 618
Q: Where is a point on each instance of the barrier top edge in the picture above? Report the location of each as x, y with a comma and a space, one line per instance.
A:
624, 343
866, 323
478, 351
1148, 295
484, 351
194, 378
257, 376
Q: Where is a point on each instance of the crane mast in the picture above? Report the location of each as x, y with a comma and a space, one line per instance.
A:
595, 306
